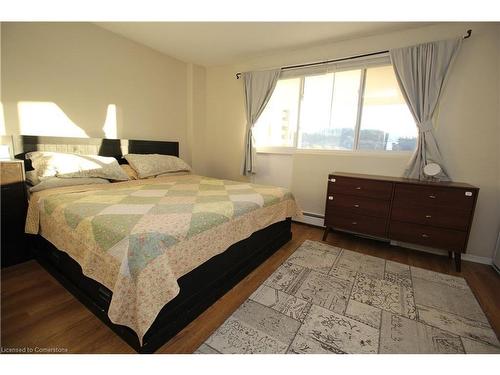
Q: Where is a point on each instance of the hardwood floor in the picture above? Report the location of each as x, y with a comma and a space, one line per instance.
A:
38, 312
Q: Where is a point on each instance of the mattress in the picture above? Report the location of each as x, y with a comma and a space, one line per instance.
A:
139, 237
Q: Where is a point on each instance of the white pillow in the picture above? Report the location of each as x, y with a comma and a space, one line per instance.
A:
54, 182
50, 164
147, 165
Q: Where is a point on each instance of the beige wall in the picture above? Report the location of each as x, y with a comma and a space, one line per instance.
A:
225, 123
468, 128
0, 64
75, 79
497, 257
2, 124
467, 125
196, 92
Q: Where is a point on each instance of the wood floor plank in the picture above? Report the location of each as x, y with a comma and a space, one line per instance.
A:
37, 311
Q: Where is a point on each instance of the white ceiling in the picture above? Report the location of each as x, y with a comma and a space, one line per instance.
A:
220, 43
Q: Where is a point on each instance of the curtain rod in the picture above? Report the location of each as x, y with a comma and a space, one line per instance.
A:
238, 75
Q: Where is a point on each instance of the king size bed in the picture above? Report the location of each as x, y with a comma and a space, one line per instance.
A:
148, 255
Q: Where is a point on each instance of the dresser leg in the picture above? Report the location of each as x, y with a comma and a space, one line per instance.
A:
458, 261
450, 254
325, 233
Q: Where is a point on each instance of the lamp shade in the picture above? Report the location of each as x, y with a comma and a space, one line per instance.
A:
6, 147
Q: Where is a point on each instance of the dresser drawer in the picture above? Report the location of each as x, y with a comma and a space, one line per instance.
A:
433, 216
406, 195
357, 223
440, 238
360, 187
351, 204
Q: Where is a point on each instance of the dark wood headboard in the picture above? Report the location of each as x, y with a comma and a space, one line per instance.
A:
92, 146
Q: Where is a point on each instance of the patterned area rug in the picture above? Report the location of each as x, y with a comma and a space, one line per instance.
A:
324, 299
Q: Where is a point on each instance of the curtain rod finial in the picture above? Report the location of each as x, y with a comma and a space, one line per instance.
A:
469, 32
238, 75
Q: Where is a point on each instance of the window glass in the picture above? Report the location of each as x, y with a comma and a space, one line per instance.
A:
386, 122
328, 111
322, 111
277, 125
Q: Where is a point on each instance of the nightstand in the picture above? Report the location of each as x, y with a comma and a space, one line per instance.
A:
14, 204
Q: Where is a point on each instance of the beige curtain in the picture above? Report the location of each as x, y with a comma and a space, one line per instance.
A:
421, 71
259, 87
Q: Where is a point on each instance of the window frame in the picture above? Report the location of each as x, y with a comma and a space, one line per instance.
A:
294, 149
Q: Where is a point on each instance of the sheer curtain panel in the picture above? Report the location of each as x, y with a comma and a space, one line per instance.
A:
259, 87
421, 71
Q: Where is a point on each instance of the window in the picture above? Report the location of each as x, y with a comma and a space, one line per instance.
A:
356, 109
329, 111
386, 122
277, 124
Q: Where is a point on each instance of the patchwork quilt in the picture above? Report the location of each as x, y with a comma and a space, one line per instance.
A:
138, 237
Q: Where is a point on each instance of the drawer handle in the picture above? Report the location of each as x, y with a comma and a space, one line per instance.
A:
356, 205
330, 197
425, 235
332, 180
358, 187
428, 216
354, 223
432, 196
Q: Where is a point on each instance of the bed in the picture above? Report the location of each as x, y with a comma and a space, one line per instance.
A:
148, 256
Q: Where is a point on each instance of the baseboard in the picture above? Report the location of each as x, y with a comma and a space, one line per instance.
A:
468, 257
477, 259
496, 255
495, 267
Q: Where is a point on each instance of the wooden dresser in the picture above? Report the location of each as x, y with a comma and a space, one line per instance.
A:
13, 209
432, 214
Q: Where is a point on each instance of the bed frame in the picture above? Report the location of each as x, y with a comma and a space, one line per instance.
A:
199, 289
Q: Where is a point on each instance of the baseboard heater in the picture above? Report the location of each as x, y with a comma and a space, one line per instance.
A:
310, 214
318, 220
310, 218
